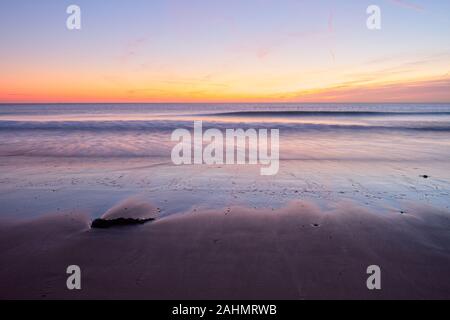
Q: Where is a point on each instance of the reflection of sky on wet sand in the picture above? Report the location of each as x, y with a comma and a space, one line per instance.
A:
32, 186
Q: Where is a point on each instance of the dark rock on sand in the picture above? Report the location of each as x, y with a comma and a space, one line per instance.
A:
131, 211
425, 176
108, 223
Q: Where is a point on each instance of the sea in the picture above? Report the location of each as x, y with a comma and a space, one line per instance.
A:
307, 131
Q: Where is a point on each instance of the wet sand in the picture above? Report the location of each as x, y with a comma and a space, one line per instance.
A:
224, 232
297, 252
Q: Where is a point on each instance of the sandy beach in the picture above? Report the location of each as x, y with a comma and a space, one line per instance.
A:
297, 252
296, 238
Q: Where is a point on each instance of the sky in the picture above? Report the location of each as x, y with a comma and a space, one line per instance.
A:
224, 51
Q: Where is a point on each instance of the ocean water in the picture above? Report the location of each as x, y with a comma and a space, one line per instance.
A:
397, 132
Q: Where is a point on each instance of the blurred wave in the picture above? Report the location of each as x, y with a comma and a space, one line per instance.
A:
165, 126
327, 113
306, 131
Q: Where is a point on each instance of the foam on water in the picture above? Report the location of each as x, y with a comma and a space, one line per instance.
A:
308, 131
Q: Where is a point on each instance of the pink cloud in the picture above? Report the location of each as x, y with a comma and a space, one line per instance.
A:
407, 5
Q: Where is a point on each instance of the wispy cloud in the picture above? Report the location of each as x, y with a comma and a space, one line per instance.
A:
131, 49
429, 90
407, 5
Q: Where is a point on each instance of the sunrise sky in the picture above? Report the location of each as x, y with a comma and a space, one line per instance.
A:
224, 51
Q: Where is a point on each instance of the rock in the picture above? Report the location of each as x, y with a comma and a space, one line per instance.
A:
108, 223
425, 176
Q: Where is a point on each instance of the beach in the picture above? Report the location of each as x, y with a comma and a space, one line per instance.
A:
297, 252
358, 185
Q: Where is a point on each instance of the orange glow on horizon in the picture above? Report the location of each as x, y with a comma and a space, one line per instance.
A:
433, 90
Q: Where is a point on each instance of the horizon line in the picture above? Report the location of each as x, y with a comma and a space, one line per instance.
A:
204, 102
